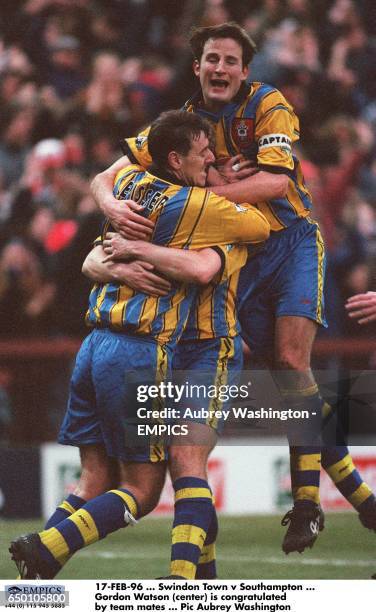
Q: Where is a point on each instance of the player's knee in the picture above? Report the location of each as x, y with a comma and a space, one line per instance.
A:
293, 358
147, 498
183, 463
91, 485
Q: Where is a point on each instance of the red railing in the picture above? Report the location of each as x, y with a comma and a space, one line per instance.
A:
67, 347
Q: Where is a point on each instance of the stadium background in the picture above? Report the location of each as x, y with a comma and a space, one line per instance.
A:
86, 73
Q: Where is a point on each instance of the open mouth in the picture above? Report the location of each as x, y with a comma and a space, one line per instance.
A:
219, 84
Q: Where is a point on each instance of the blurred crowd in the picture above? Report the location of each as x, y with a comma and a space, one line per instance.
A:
76, 76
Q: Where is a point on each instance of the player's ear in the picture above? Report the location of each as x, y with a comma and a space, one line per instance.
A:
174, 160
245, 72
196, 67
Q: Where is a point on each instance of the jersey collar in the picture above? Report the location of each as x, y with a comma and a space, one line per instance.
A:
165, 175
196, 103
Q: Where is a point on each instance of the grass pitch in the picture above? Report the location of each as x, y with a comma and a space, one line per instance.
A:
248, 547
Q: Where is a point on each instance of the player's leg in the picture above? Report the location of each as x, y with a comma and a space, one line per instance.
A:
81, 428
117, 366
336, 460
301, 298
99, 473
339, 465
207, 567
47, 552
299, 312
293, 343
194, 509
285, 280
206, 362
114, 361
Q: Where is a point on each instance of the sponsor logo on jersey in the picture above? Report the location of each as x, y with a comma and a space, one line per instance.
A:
140, 141
242, 132
240, 209
275, 140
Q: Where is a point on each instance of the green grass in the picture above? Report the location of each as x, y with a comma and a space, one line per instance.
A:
248, 547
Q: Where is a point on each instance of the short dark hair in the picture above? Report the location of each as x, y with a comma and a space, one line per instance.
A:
199, 36
174, 131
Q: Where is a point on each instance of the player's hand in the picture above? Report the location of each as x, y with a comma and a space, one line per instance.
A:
214, 178
127, 221
233, 169
116, 247
139, 276
362, 307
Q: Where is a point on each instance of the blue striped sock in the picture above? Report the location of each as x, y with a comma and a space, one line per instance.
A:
193, 513
92, 522
65, 509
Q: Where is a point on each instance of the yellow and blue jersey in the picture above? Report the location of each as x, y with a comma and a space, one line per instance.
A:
261, 125
185, 217
213, 314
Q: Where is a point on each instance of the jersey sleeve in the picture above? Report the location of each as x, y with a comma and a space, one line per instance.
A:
234, 257
137, 149
276, 129
215, 220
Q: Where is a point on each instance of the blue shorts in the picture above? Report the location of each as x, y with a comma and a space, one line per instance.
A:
285, 278
103, 400
212, 366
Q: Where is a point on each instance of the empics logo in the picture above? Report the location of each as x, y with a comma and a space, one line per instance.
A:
13, 590
32, 595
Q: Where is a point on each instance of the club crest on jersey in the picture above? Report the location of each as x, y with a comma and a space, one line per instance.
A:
242, 132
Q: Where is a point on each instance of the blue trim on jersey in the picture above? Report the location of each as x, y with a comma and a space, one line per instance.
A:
227, 111
165, 231
283, 211
134, 309
164, 304
219, 320
110, 300
137, 174
227, 132
252, 105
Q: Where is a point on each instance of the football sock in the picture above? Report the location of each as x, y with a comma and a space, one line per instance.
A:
340, 467
207, 564
305, 473
305, 460
92, 522
338, 463
193, 514
65, 509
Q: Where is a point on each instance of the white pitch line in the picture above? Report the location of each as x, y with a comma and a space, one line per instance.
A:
241, 558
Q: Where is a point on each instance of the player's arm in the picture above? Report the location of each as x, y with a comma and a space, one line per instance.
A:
276, 129
138, 275
198, 267
362, 307
214, 220
125, 219
256, 188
